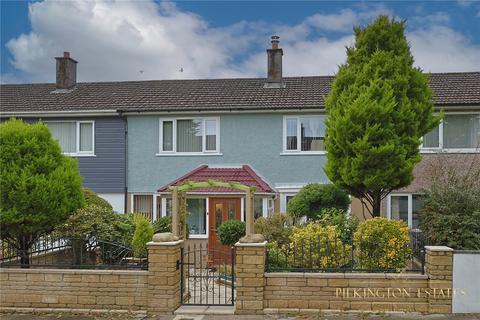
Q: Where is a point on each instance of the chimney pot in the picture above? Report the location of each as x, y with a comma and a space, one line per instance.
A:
66, 71
275, 41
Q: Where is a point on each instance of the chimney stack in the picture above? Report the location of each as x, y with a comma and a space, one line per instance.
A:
66, 72
274, 71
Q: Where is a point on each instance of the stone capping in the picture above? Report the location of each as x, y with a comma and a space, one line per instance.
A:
438, 248
245, 244
170, 243
467, 251
76, 271
402, 276
71, 310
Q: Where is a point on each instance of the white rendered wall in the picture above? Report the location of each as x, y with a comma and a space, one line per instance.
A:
466, 277
117, 200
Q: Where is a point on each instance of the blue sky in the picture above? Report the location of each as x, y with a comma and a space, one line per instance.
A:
120, 40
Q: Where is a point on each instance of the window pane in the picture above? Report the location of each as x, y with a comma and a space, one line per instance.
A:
210, 135
65, 133
168, 208
189, 136
167, 134
292, 134
417, 203
431, 139
197, 216
461, 131
399, 208
312, 130
143, 204
86, 137
257, 207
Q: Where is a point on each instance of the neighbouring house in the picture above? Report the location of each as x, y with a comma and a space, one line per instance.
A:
263, 132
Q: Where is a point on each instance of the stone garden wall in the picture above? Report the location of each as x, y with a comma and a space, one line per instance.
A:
73, 289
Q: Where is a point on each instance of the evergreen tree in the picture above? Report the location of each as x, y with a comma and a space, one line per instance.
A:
378, 109
40, 187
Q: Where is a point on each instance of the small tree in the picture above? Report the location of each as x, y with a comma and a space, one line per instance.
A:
378, 109
451, 206
231, 231
315, 197
40, 187
143, 234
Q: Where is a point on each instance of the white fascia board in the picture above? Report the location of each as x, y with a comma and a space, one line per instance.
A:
45, 114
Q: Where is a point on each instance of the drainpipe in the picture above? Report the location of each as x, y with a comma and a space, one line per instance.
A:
125, 162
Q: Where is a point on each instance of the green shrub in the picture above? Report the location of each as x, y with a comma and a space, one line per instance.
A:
230, 232
91, 198
143, 234
315, 197
39, 186
275, 228
347, 225
451, 206
164, 224
316, 246
382, 244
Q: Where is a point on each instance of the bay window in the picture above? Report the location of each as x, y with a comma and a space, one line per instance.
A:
405, 207
143, 204
76, 138
304, 134
457, 132
189, 136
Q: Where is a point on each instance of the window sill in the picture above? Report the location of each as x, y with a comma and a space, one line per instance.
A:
188, 154
80, 155
197, 236
426, 151
304, 153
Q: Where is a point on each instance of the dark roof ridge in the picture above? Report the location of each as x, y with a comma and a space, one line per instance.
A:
216, 79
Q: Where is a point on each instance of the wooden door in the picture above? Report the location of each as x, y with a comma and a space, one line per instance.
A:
221, 210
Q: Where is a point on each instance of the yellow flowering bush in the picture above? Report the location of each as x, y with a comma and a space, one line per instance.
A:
382, 244
318, 247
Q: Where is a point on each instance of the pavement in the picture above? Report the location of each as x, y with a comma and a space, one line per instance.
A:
319, 316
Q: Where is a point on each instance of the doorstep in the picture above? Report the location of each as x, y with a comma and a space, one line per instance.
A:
200, 310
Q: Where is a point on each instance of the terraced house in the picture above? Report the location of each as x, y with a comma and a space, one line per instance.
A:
135, 139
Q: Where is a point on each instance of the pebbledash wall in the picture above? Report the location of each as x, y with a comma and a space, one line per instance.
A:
157, 291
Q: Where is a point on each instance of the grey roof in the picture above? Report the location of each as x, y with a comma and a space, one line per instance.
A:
450, 89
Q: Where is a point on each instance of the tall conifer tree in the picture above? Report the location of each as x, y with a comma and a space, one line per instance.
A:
379, 108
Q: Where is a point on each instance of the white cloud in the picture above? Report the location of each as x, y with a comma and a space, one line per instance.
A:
439, 48
114, 40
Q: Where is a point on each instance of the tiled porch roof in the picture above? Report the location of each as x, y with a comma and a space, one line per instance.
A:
244, 175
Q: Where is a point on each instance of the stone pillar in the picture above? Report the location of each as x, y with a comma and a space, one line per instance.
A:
163, 274
439, 268
250, 279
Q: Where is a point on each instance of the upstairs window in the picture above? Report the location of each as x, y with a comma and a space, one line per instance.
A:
305, 134
76, 138
196, 135
457, 132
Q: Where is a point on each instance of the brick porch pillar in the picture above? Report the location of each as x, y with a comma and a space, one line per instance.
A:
439, 267
250, 279
163, 276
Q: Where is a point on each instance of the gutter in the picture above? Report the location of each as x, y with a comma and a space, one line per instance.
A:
43, 114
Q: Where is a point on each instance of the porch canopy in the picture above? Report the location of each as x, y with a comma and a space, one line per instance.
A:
206, 179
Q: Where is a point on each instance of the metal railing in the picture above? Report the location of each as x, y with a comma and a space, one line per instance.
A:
70, 253
333, 255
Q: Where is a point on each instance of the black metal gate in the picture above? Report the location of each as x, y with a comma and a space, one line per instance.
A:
207, 276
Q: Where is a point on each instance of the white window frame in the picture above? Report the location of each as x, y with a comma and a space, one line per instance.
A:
190, 236
174, 151
440, 147
298, 151
409, 205
78, 153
